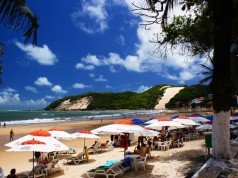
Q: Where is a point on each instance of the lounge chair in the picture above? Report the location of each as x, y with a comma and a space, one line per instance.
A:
114, 170
52, 167
96, 149
141, 162
106, 147
80, 157
38, 172
165, 146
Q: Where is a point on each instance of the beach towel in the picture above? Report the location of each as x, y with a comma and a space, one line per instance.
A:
110, 163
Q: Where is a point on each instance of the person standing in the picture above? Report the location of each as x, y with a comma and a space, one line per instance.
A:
11, 135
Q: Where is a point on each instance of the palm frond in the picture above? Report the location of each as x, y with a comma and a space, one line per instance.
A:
207, 79
15, 15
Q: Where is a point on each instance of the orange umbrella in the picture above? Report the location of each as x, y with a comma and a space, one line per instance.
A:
55, 129
85, 131
182, 116
164, 119
124, 122
40, 133
32, 142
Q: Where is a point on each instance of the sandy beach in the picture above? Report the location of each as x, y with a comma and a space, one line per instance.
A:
177, 162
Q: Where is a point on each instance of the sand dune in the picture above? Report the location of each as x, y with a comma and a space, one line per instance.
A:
169, 93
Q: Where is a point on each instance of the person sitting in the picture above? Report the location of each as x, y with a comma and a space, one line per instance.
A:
44, 159
93, 145
137, 150
104, 145
116, 143
12, 174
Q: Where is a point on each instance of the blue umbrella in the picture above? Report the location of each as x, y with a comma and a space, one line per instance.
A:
210, 117
138, 121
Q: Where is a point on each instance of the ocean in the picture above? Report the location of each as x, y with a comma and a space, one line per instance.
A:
31, 117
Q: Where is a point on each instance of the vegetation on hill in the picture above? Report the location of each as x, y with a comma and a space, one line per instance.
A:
189, 93
113, 101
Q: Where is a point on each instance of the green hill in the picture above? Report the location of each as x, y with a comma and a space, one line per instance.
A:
189, 93
113, 101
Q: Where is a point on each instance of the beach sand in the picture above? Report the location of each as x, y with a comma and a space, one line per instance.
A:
177, 162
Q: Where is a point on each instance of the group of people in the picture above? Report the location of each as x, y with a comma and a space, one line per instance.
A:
3, 125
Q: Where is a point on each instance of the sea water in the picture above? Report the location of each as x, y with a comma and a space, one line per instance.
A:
30, 117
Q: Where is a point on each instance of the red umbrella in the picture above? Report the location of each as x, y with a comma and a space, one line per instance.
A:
40, 133
124, 122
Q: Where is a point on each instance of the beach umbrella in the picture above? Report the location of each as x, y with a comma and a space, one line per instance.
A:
123, 122
198, 119
160, 124
209, 127
60, 134
138, 121
122, 128
186, 122
85, 134
33, 145
42, 136
159, 119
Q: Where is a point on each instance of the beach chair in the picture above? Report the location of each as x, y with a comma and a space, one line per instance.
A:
141, 162
165, 146
195, 136
38, 172
186, 137
176, 143
52, 167
112, 171
79, 158
96, 149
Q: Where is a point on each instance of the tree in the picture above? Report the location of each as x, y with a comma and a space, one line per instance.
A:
221, 32
15, 15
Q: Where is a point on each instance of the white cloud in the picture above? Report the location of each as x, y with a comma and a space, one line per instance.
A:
43, 81
49, 97
84, 67
91, 17
39, 103
9, 96
108, 86
91, 75
89, 67
92, 59
10, 99
100, 79
58, 89
143, 88
120, 40
144, 60
79, 66
32, 89
80, 86
112, 69
43, 55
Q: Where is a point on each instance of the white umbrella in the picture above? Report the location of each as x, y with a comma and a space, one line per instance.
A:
160, 124
58, 134
186, 122
209, 127
123, 128
50, 141
151, 121
33, 145
85, 134
199, 119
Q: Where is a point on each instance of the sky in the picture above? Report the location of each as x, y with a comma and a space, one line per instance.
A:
85, 46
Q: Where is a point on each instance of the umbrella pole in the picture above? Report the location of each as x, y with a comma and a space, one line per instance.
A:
33, 165
84, 142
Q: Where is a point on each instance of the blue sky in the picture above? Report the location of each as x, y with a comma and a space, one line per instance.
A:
85, 45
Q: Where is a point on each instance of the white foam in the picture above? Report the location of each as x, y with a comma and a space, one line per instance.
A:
34, 121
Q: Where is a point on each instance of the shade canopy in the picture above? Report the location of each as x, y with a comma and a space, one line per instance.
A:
58, 134
55, 129
41, 133
199, 119
138, 121
50, 142
209, 127
186, 122
124, 122
159, 125
122, 128
85, 135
